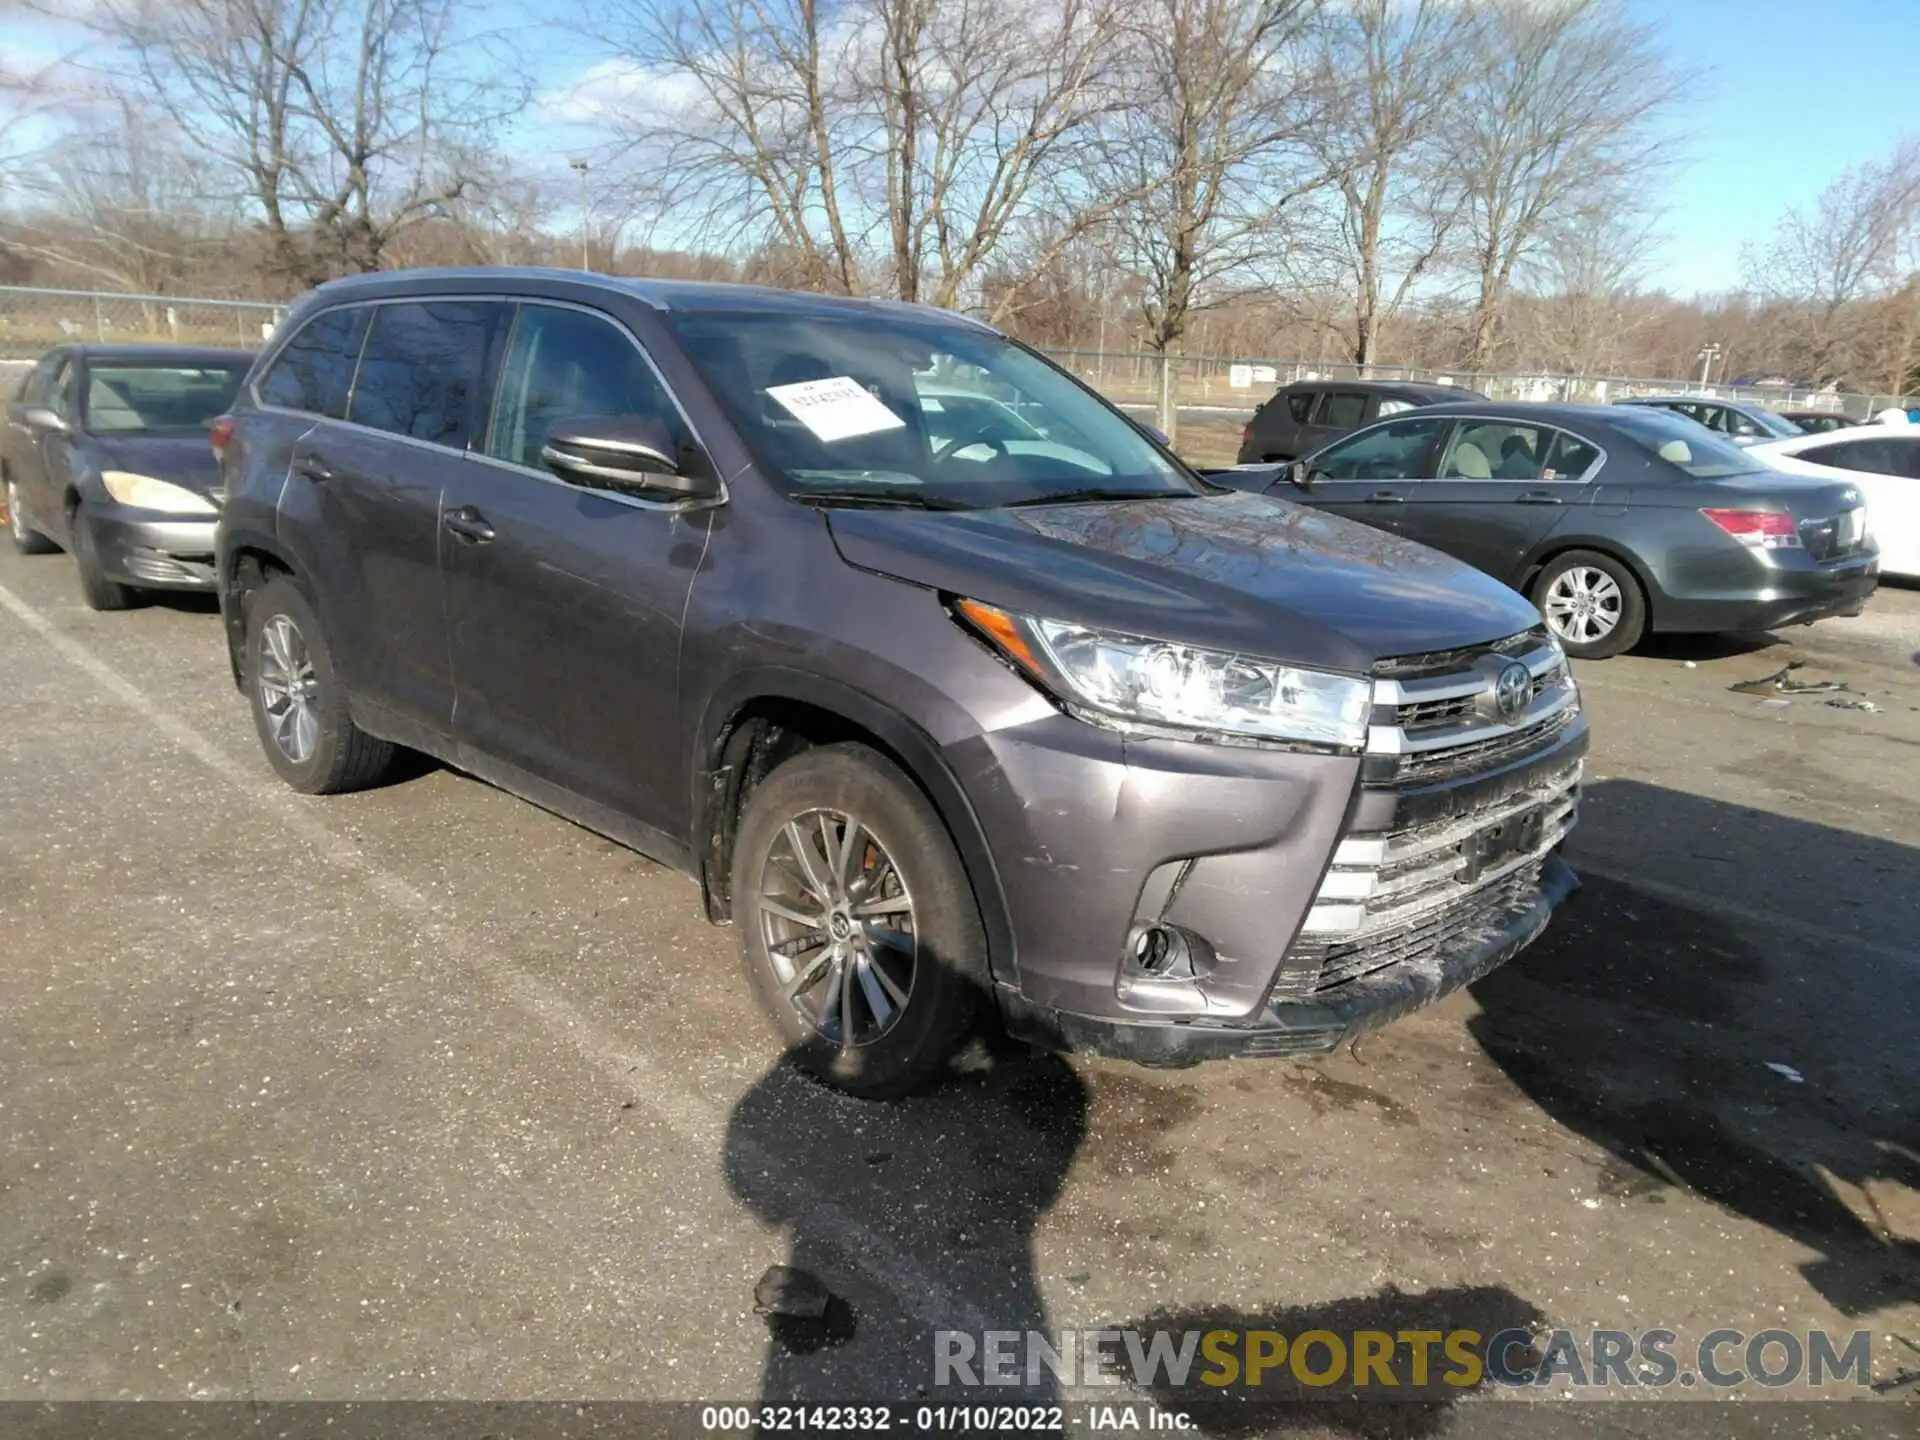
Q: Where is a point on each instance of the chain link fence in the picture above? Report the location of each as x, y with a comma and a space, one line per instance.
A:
1203, 401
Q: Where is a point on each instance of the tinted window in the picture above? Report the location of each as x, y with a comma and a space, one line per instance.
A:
1393, 452
1495, 450
421, 368
315, 370
1874, 456
125, 398
1692, 449
1572, 457
562, 365
1343, 410
1300, 405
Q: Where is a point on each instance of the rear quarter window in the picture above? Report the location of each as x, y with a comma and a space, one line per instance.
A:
314, 371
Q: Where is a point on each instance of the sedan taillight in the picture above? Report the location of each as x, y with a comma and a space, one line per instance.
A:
1758, 529
219, 433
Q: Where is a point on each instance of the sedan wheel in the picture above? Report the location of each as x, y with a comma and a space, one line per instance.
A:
1583, 605
284, 672
838, 925
1592, 603
26, 539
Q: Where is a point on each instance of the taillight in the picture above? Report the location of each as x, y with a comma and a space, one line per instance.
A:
1760, 529
1246, 434
219, 433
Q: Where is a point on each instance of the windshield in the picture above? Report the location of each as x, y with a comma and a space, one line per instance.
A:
902, 408
123, 399
1683, 444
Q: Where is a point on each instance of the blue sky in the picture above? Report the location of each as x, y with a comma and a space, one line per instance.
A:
1789, 94
1794, 92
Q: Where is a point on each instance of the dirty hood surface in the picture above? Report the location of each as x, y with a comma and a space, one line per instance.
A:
1246, 573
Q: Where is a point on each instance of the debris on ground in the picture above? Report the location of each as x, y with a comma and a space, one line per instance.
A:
1787, 1070
784, 1290
1850, 702
1781, 682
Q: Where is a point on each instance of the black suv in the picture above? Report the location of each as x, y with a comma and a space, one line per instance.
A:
935, 711
1299, 418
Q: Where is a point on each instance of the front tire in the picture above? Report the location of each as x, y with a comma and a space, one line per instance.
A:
1592, 603
859, 932
26, 539
299, 703
96, 589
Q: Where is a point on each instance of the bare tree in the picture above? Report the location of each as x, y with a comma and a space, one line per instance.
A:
1583, 283
887, 145
343, 122
1561, 109
1208, 152
1395, 68
1853, 245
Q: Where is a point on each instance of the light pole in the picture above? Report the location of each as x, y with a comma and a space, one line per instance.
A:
585, 206
1708, 354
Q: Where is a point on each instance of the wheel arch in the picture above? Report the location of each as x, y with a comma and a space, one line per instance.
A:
247, 561
761, 717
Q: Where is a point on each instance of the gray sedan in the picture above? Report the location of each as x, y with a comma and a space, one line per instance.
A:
107, 453
1615, 520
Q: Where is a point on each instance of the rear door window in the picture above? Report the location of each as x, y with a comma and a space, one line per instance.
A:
1342, 409
1495, 450
564, 364
1300, 405
1400, 451
1572, 457
420, 370
314, 372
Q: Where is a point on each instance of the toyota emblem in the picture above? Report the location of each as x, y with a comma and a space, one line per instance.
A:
1512, 690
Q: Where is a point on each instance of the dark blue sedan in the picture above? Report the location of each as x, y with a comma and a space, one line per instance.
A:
107, 455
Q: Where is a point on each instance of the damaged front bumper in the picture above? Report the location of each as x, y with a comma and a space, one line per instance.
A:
1487, 930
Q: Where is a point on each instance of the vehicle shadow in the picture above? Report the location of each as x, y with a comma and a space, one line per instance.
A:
902, 1219
1770, 1069
1718, 646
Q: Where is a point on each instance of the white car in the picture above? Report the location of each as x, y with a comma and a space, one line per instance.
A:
1884, 461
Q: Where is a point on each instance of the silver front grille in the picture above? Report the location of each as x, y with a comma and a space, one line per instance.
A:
1434, 722
1383, 881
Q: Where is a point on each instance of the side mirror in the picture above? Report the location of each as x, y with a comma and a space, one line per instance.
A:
627, 454
1298, 473
40, 417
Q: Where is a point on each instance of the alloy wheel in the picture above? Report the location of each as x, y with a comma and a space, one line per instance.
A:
838, 921
288, 688
1583, 605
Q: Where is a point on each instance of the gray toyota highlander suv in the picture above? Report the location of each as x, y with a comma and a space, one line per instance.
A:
1169, 772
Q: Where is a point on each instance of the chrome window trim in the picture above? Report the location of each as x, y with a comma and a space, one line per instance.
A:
469, 452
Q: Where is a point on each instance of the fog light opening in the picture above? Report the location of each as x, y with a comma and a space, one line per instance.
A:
1157, 951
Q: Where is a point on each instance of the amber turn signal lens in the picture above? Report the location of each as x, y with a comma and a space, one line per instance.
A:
1001, 628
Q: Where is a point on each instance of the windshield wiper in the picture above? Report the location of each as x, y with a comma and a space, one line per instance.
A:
879, 499
1096, 492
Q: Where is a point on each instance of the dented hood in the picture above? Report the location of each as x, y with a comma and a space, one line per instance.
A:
1246, 573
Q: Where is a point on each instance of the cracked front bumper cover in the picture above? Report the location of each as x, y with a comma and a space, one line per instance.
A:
1321, 1024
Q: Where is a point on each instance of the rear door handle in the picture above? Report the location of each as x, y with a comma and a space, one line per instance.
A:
1386, 497
312, 467
469, 524
1536, 497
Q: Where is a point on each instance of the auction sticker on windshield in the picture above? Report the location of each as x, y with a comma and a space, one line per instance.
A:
836, 409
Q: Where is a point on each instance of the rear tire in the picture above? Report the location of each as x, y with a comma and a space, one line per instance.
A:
1592, 603
26, 539
299, 703
96, 589
878, 869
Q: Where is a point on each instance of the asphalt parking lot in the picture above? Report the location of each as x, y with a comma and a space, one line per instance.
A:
423, 1093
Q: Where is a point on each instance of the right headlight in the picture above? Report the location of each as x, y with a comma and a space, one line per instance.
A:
1134, 683
144, 492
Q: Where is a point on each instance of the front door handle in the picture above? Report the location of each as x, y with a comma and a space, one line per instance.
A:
1536, 497
469, 524
1386, 497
